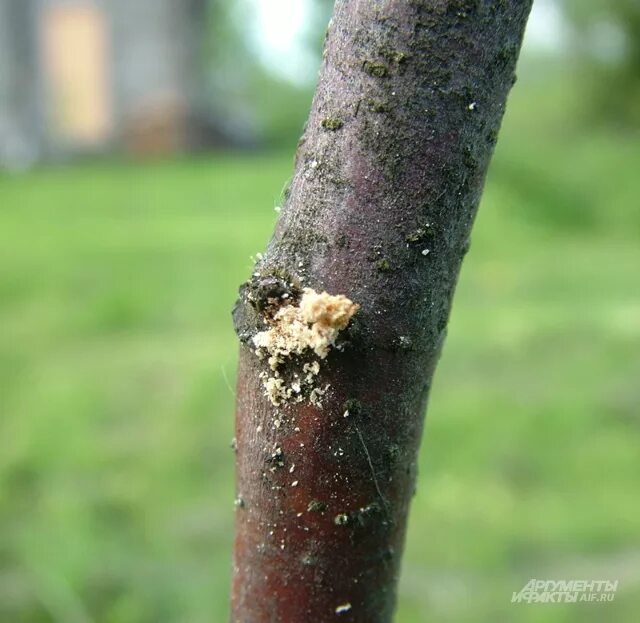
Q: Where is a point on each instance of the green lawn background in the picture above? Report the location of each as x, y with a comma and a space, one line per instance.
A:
117, 366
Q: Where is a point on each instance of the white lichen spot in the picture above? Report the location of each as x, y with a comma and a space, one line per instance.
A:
310, 326
342, 608
341, 520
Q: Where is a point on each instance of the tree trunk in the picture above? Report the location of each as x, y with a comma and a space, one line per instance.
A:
387, 180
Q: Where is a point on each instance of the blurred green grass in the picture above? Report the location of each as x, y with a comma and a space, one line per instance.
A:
117, 361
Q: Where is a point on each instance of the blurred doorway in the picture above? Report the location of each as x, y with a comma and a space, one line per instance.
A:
76, 65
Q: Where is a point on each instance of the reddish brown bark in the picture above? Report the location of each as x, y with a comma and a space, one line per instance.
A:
388, 176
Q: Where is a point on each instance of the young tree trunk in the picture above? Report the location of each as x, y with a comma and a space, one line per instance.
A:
387, 180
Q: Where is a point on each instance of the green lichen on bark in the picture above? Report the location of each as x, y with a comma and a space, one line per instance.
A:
332, 123
375, 68
377, 106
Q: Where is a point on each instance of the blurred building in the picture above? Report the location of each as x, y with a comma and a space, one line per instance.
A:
89, 76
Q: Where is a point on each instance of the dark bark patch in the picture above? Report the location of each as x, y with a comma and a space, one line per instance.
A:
276, 458
404, 342
352, 407
462, 8
421, 233
367, 514
267, 293
316, 506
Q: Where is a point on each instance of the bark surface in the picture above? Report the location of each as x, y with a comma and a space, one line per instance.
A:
387, 180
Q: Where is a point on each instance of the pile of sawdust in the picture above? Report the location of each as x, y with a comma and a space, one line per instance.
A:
311, 325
